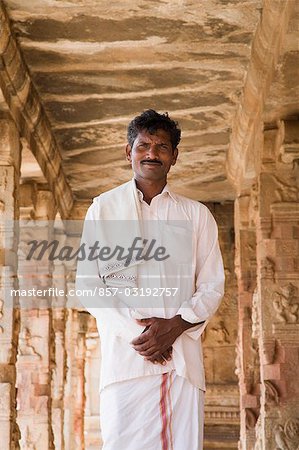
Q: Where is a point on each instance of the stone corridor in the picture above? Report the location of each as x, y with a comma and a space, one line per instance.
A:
72, 75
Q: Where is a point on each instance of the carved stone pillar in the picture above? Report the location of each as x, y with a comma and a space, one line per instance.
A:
9, 313
278, 285
37, 344
74, 398
92, 377
247, 361
59, 372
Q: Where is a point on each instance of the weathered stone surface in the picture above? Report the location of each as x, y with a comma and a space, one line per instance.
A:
9, 314
20, 94
97, 65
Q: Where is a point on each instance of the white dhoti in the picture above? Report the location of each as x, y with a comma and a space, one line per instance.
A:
157, 412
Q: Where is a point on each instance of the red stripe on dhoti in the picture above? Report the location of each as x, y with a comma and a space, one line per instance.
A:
170, 410
163, 411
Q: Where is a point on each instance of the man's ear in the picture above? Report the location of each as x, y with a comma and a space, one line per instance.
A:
128, 151
174, 156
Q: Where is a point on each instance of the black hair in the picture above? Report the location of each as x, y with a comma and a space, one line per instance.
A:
152, 121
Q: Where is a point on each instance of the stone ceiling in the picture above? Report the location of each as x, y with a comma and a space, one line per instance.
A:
96, 64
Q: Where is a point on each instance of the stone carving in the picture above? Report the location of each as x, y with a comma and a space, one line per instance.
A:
269, 351
1, 315
255, 315
16, 435
253, 367
291, 429
29, 442
285, 192
253, 204
287, 436
280, 438
26, 348
220, 333
238, 369
227, 304
4, 180
267, 269
271, 393
250, 419
283, 303
5, 393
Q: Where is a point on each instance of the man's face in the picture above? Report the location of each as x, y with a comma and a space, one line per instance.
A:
152, 155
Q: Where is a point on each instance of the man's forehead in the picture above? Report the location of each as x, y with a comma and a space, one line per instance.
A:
158, 135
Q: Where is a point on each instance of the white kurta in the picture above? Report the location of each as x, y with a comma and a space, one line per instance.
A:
200, 295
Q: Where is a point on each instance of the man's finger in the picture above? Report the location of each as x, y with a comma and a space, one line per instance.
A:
168, 354
145, 322
141, 339
144, 346
158, 360
149, 352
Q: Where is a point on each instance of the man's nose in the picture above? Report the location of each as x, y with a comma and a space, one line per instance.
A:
152, 151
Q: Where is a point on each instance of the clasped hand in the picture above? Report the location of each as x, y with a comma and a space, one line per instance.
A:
155, 343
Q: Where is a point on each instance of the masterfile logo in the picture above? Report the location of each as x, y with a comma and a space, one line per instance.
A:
141, 263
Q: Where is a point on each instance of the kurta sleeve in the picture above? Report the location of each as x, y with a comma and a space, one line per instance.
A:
210, 278
107, 309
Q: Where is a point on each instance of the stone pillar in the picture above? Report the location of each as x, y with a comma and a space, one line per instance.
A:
247, 361
9, 313
278, 286
37, 344
92, 379
76, 327
74, 399
59, 372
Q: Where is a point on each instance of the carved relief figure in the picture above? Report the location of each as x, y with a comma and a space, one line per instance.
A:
267, 268
220, 333
280, 438
283, 303
287, 436
291, 429
285, 192
26, 347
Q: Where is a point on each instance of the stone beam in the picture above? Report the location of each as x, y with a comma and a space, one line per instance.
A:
29, 115
246, 137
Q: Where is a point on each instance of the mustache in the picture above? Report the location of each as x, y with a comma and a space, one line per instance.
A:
156, 161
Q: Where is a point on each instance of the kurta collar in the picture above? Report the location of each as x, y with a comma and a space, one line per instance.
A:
166, 189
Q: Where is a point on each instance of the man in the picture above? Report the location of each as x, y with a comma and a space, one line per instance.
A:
152, 378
